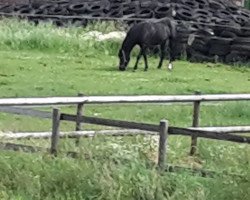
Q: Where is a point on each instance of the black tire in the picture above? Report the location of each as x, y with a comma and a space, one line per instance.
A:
232, 9
79, 8
128, 10
35, 5
148, 4
201, 18
204, 34
95, 8
46, 6
145, 13
245, 33
57, 10
219, 49
194, 56
25, 11
200, 45
215, 5
203, 12
226, 25
240, 19
116, 13
164, 1
21, 7
39, 12
228, 34
244, 14
97, 14
190, 3
7, 8
220, 41
242, 40
163, 11
234, 56
223, 14
183, 14
241, 53
238, 47
202, 3
181, 6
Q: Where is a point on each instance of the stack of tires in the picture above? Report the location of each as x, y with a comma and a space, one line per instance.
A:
230, 24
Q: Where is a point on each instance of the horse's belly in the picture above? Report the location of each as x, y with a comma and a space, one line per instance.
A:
153, 41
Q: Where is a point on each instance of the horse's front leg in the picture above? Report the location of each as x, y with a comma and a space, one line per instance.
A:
163, 52
145, 58
137, 60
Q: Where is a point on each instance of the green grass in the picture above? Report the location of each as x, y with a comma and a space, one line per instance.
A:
46, 61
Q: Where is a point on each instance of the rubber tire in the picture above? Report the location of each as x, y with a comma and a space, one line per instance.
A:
203, 12
145, 13
215, 5
95, 8
183, 14
219, 49
202, 3
241, 48
79, 8
190, 3
163, 11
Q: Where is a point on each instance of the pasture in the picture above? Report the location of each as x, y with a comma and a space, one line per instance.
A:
49, 61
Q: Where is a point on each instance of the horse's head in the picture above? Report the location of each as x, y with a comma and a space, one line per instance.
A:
124, 60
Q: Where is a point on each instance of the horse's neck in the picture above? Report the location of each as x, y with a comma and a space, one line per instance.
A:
128, 45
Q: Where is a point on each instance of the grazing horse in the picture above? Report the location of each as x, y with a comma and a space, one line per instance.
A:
147, 34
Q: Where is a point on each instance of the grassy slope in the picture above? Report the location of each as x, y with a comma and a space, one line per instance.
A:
49, 62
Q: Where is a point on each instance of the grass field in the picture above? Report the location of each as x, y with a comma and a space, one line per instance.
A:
47, 61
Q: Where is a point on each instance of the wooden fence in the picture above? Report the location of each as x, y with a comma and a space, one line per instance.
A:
162, 129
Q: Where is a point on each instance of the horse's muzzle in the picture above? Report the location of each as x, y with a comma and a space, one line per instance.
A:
122, 68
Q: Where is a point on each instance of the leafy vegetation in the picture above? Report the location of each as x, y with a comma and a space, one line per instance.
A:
47, 61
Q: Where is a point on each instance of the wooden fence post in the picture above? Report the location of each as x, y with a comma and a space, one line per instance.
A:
55, 130
78, 116
196, 123
163, 134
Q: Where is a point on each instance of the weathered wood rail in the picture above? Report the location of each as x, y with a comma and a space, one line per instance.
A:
162, 129
121, 99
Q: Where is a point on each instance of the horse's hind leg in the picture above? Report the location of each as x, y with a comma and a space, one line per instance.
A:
137, 60
171, 55
163, 52
145, 58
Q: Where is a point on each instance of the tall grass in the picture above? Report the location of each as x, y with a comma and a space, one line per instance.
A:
22, 35
24, 176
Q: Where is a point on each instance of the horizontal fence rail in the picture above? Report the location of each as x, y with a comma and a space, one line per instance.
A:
155, 128
48, 115
121, 99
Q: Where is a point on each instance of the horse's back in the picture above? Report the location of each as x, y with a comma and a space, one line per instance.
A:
149, 33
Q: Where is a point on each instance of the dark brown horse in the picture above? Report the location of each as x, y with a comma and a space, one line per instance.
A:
147, 34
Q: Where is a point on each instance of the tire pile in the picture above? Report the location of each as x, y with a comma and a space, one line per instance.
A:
230, 23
